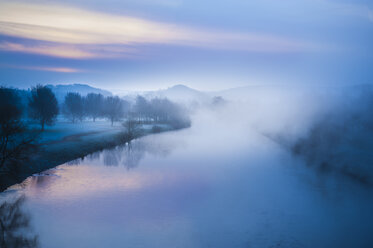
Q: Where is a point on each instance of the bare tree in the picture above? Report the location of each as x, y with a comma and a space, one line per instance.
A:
126, 108
43, 105
141, 108
93, 105
132, 128
10, 105
165, 111
113, 108
15, 143
73, 106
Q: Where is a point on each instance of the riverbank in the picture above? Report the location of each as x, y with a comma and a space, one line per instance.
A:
68, 141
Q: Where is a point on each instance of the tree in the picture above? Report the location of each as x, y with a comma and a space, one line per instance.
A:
93, 105
132, 128
158, 111
141, 108
43, 105
165, 111
73, 106
10, 106
126, 107
15, 144
113, 108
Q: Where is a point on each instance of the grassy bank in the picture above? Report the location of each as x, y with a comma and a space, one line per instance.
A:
68, 141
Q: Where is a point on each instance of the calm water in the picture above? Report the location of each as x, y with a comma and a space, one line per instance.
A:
201, 187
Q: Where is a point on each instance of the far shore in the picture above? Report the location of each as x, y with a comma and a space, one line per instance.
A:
68, 141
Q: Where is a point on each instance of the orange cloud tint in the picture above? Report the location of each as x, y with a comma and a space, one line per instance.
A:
44, 68
74, 26
51, 50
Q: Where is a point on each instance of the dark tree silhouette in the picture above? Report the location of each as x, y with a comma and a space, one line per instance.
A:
141, 108
10, 105
132, 128
73, 106
126, 107
113, 108
15, 144
165, 111
93, 105
15, 225
43, 105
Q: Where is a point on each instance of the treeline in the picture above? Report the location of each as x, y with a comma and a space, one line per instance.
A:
18, 140
41, 105
113, 108
341, 140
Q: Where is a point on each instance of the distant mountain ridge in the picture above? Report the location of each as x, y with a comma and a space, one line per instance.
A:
179, 93
184, 94
60, 90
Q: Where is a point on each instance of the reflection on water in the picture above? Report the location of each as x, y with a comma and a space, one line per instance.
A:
127, 155
199, 187
15, 226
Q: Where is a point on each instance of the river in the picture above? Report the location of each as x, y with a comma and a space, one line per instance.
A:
212, 185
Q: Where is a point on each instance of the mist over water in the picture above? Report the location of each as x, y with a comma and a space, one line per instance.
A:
231, 180
186, 124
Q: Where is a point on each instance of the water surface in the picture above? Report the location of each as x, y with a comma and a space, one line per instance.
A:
200, 187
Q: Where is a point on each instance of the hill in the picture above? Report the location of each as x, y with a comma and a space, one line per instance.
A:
60, 90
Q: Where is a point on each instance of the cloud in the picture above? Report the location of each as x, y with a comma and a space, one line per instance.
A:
167, 3
77, 27
44, 68
54, 69
68, 50
51, 50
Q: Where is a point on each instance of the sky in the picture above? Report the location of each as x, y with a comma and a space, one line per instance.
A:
208, 45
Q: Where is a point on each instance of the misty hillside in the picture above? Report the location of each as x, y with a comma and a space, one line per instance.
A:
60, 90
180, 93
177, 93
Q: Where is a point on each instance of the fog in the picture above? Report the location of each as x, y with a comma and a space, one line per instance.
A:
329, 127
264, 167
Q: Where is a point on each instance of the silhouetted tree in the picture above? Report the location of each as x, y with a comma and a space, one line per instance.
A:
43, 105
165, 111
141, 108
341, 140
158, 110
15, 144
126, 108
73, 106
113, 108
93, 105
132, 128
10, 106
